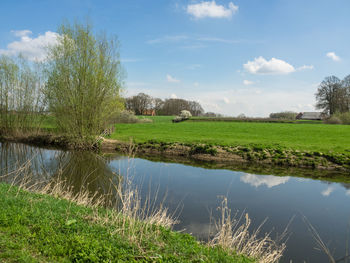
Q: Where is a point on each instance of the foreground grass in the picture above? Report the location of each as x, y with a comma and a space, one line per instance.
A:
42, 228
296, 136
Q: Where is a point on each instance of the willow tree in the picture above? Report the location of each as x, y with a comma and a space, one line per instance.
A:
84, 80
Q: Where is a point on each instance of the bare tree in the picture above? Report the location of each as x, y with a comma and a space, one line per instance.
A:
158, 105
195, 108
175, 106
139, 103
346, 87
330, 96
143, 102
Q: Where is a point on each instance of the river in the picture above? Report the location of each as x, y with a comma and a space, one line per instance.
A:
193, 194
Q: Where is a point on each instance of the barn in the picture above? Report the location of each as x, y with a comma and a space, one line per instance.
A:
310, 116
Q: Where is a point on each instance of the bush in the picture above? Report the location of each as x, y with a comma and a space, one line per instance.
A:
127, 116
339, 118
185, 114
333, 120
344, 117
289, 115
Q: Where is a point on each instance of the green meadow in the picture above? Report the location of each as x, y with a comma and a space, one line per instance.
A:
297, 136
41, 228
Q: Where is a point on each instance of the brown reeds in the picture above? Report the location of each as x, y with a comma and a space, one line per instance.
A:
234, 234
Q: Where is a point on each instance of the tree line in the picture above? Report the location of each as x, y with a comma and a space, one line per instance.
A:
143, 104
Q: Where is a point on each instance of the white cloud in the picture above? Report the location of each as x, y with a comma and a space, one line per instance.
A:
306, 67
268, 180
171, 79
273, 66
328, 191
33, 49
21, 33
173, 96
333, 56
196, 84
226, 100
248, 82
212, 10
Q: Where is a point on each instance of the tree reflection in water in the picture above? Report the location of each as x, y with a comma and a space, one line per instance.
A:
80, 170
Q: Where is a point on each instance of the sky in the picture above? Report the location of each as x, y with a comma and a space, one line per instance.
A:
241, 56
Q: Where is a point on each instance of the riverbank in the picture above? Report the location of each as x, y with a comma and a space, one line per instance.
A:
239, 155
41, 228
222, 156
303, 145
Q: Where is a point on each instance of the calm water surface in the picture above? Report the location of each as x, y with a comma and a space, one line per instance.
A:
194, 193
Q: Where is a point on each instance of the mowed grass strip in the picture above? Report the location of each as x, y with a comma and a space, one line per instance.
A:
300, 136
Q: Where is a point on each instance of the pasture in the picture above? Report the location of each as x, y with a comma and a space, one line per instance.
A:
297, 136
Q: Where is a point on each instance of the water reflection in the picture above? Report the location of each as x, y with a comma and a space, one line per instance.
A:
328, 191
268, 180
79, 170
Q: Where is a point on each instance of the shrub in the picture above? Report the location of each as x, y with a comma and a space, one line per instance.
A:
288, 115
124, 116
333, 120
185, 114
344, 117
127, 116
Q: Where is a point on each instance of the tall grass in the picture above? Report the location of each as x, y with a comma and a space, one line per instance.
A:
234, 234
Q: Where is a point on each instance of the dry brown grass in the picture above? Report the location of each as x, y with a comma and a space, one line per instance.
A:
234, 234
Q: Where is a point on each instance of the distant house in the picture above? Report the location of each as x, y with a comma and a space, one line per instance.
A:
310, 116
149, 112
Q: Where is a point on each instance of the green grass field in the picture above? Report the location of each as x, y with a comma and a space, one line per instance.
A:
41, 228
297, 136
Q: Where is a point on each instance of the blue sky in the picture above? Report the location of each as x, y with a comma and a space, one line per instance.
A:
241, 56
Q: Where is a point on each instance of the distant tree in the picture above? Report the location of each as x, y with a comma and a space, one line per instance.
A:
330, 96
289, 115
84, 80
142, 102
158, 105
346, 87
212, 115
195, 108
139, 103
175, 106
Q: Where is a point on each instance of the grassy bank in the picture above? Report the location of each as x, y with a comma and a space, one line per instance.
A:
314, 145
42, 228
